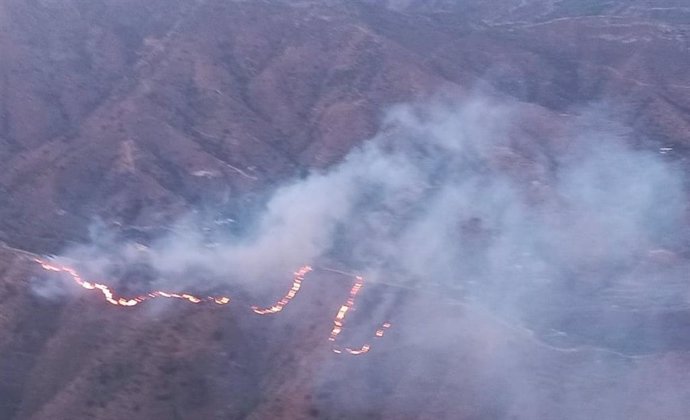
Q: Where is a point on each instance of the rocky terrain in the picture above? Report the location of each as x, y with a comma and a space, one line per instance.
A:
135, 113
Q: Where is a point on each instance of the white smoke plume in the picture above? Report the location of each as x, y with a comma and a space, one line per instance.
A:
456, 195
549, 223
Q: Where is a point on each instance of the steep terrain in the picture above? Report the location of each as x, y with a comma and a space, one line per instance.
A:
137, 112
164, 105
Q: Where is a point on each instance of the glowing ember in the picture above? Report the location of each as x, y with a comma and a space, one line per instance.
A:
380, 331
365, 348
110, 297
349, 303
298, 278
296, 285
340, 319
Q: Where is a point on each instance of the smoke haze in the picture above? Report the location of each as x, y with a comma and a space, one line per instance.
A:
574, 241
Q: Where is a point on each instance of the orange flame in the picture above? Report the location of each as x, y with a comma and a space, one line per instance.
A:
110, 297
340, 319
296, 285
298, 278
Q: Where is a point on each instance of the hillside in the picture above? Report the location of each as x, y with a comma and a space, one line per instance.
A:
132, 115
